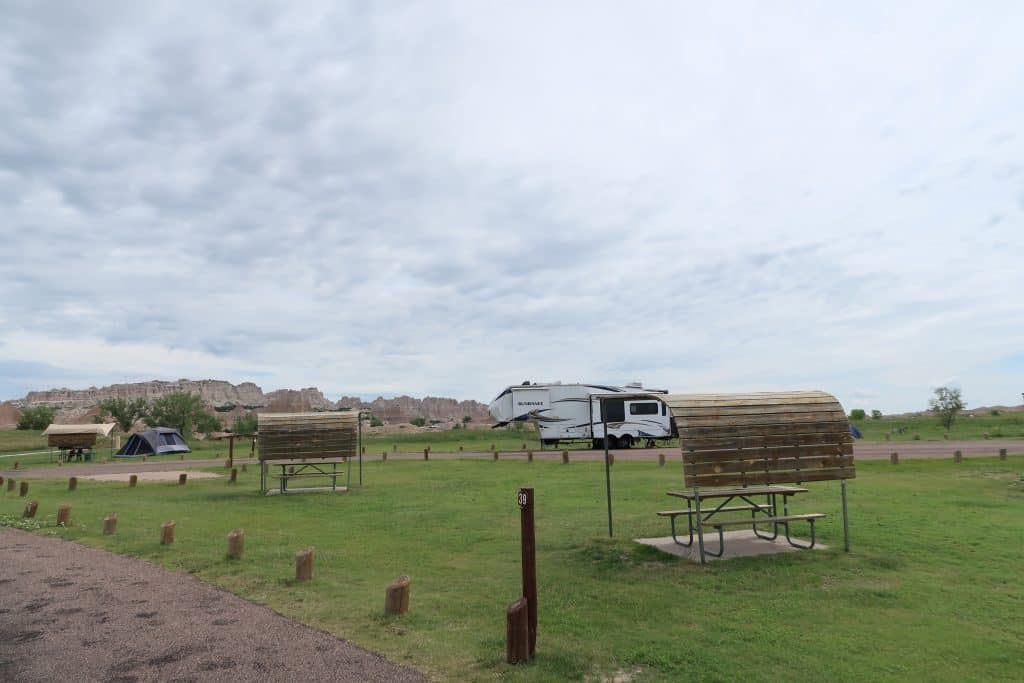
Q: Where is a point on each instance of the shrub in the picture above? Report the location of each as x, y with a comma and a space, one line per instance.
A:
418, 421
876, 414
946, 404
36, 418
246, 424
917, 437
857, 414
376, 422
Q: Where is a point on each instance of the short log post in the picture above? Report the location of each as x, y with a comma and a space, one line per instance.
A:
1, 481
1002, 454
30, 509
384, 456
244, 468
611, 458
894, 458
495, 456
236, 544
15, 464
460, 448
529, 456
23, 490
10, 484
304, 565
958, 456
565, 457
492, 446
523, 447
661, 459
394, 448
396, 598
133, 480
64, 515
363, 450
72, 483
167, 533
517, 649
234, 475
181, 456
182, 478
110, 524
426, 454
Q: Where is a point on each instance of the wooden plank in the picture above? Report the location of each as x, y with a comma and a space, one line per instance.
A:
711, 420
722, 442
770, 465
800, 450
831, 427
731, 508
764, 520
772, 398
688, 411
725, 493
775, 477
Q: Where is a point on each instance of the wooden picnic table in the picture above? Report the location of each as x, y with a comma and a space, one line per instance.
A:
693, 494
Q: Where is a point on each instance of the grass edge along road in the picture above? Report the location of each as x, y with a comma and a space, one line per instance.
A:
930, 590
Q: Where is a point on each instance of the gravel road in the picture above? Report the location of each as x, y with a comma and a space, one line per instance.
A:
71, 613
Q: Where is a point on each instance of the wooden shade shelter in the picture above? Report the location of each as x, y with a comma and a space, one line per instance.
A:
290, 436
83, 436
756, 439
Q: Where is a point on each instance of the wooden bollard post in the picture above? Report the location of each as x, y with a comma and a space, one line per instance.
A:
133, 480
30, 509
426, 454
396, 598
495, 456
182, 478
363, 450
236, 544
492, 446
529, 456
517, 648
64, 515
181, 456
23, 491
110, 524
234, 474
384, 456
394, 448
10, 484
1, 481
661, 459
304, 565
894, 458
611, 458
529, 559
167, 533
1002, 454
15, 464
565, 457
72, 483
244, 469
523, 447
958, 456
460, 448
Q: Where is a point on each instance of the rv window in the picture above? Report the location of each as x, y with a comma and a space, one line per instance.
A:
643, 408
614, 410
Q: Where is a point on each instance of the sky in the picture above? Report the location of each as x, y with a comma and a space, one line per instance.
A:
446, 198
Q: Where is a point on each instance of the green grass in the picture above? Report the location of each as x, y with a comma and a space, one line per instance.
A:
1003, 426
931, 590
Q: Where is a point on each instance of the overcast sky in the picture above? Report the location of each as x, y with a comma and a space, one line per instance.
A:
447, 198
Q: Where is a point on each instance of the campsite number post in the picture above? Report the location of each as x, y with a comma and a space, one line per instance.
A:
529, 547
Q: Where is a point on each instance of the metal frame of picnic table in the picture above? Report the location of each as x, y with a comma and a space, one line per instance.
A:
693, 507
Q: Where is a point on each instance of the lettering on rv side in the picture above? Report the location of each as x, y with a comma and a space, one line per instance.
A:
530, 403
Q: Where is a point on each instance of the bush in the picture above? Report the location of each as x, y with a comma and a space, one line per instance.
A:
876, 414
418, 421
246, 424
857, 414
376, 422
36, 418
917, 437
994, 413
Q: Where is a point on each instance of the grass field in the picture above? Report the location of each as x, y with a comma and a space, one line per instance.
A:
931, 590
1003, 426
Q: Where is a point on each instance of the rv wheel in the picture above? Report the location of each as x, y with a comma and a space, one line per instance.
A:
625, 441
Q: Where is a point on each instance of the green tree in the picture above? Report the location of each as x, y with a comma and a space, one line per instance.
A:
183, 411
876, 414
123, 411
466, 419
245, 424
418, 421
946, 404
37, 418
376, 421
857, 414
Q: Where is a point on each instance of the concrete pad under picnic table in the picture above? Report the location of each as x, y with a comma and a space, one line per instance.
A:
737, 544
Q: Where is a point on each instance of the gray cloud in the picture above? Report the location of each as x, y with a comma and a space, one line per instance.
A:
441, 198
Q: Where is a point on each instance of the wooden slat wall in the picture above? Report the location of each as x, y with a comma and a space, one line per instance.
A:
285, 436
762, 438
71, 440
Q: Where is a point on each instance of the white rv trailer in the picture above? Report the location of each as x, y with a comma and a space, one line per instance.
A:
568, 412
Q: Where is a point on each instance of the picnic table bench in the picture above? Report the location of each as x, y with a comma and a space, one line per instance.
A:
744, 453
301, 468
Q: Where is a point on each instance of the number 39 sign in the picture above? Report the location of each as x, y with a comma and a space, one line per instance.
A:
522, 499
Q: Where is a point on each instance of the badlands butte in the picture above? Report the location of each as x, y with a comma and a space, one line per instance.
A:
227, 401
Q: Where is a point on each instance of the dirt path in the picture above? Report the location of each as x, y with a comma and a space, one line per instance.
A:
863, 450
74, 613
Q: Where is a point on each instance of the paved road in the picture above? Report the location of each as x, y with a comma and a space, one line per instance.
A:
862, 450
72, 613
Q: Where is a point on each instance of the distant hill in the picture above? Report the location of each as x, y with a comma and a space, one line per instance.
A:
228, 400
